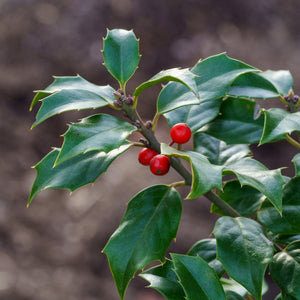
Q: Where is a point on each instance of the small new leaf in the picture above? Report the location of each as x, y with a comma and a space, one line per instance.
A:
121, 54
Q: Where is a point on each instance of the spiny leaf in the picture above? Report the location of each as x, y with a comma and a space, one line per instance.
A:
197, 278
195, 116
236, 124
253, 173
146, 231
264, 85
244, 251
98, 132
74, 83
73, 173
205, 175
121, 54
184, 76
278, 123
216, 73
289, 221
217, 151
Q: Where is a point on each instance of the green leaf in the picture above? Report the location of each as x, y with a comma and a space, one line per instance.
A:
216, 74
296, 162
195, 116
98, 132
253, 173
67, 100
236, 124
217, 151
184, 76
244, 251
145, 233
278, 123
207, 250
230, 295
71, 84
289, 221
121, 54
285, 270
197, 278
163, 279
73, 173
205, 175
244, 199
283, 239
264, 85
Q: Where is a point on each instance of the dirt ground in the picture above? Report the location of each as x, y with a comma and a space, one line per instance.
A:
52, 250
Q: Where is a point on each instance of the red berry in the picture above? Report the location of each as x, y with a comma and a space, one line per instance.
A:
160, 164
145, 156
180, 133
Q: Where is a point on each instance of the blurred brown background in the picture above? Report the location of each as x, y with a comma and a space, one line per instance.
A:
52, 250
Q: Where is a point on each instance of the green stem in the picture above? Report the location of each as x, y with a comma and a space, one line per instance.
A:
248, 297
292, 141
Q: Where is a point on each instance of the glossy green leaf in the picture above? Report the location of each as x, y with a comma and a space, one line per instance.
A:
244, 199
230, 295
285, 270
145, 233
184, 76
236, 124
73, 173
195, 116
264, 85
207, 250
121, 54
278, 123
71, 84
289, 221
98, 132
197, 278
253, 173
205, 175
296, 162
163, 279
217, 151
244, 251
216, 74
67, 100
283, 239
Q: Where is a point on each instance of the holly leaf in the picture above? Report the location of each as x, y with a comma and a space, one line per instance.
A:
71, 86
195, 116
197, 278
98, 132
205, 175
253, 173
74, 173
121, 54
278, 123
244, 251
216, 74
183, 76
163, 279
217, 151
244, 199
207, 250
264, 85
296, 162
145, 233
288, 221
236, 124
285, 270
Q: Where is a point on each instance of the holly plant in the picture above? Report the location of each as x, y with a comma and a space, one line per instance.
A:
213, 105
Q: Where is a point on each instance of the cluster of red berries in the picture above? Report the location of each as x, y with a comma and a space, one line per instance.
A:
160, 164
